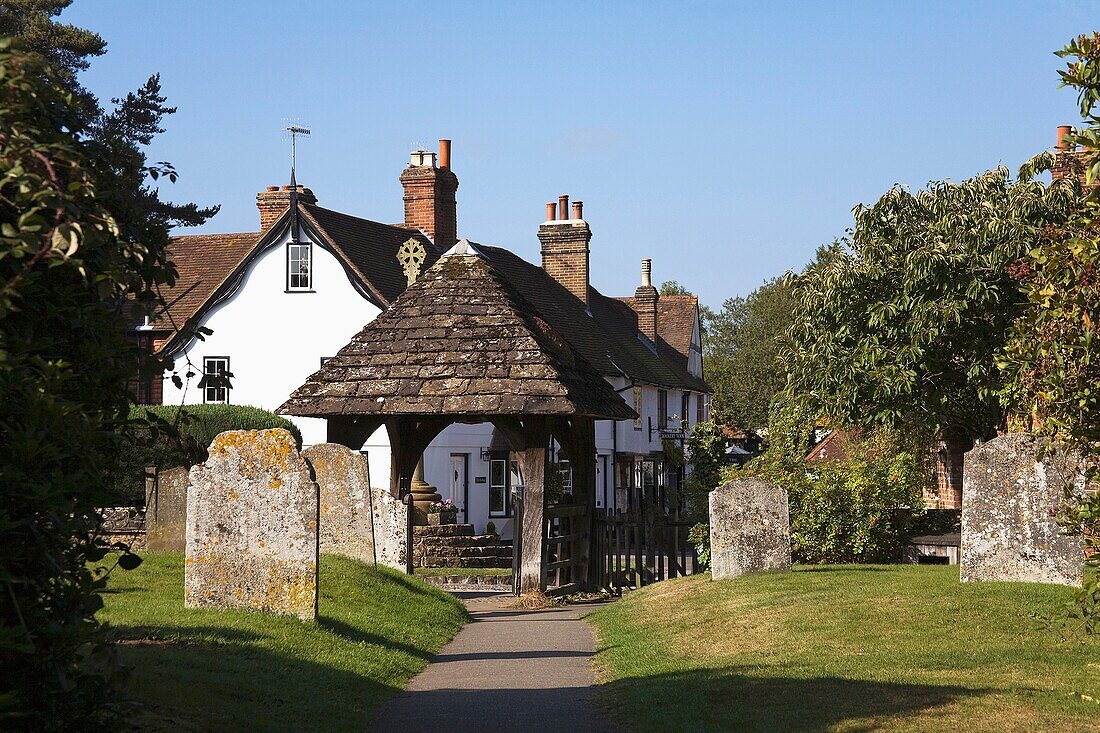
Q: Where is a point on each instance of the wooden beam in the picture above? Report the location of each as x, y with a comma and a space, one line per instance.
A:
352, 431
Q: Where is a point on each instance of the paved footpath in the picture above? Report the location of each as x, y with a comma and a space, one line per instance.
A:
508, 670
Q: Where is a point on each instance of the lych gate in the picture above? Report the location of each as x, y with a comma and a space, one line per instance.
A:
462, 345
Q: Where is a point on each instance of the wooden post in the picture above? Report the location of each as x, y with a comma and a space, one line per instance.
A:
532, 458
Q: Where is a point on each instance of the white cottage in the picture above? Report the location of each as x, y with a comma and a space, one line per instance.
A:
282, 300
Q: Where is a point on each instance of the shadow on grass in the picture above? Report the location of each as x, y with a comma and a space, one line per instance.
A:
350, 633
182, 634
215, 687
842, 569
748, 699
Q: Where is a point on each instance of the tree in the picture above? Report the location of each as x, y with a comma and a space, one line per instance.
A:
742, 359
901, 325
1052, 361
83, 241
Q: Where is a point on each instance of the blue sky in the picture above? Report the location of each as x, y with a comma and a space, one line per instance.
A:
724, 140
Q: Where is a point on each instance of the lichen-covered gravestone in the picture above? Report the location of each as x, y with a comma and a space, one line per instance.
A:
166, 511
252, 516
391, 538
344, 481
1010, 504
750, 529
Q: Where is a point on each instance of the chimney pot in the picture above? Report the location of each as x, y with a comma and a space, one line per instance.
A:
647, 267
551, 211
272, 188
1063, 130
563, 207
445, 154
578, 209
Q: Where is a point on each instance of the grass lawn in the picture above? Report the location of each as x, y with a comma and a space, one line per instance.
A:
446, 572
845, 648
228, 670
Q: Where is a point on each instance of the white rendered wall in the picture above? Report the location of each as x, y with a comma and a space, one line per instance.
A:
275, 339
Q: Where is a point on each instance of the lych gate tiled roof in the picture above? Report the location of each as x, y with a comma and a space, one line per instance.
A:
208, 263
460, 341
608, 338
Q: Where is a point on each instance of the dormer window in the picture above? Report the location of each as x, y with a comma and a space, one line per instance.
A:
299, 262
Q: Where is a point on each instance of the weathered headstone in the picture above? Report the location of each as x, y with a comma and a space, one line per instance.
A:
343, 478
750, 528
1010, 504
166, 511
252, 516
391, 540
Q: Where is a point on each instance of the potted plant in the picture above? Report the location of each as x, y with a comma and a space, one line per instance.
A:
442, 512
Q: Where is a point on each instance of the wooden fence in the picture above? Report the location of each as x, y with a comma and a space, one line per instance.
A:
634, 549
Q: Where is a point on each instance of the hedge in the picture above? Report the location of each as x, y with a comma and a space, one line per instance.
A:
154, 444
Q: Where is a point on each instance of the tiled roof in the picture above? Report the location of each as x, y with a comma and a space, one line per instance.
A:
371, 247
675, 326
461, 340
208, 262
609, 337
204, 261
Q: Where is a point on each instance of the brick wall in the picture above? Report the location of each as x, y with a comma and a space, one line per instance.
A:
949, 474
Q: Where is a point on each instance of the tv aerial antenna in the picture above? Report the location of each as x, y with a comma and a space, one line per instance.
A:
294, 130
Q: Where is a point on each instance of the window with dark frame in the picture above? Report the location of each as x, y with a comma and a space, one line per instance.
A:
638, 408
662, 409
685, 410
215, 379
299, 275
700, 411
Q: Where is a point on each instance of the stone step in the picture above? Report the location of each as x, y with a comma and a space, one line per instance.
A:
462, 562
500, 552
484, 540
471, 581
444, 530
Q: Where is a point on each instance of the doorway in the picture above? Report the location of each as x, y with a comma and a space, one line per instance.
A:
460, 483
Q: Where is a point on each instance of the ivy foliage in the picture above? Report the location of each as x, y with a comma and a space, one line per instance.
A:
1051, 363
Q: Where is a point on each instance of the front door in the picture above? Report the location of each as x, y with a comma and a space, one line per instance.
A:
460, 490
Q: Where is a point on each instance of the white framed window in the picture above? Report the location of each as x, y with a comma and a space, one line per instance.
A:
498, 487
299, 266
215, 379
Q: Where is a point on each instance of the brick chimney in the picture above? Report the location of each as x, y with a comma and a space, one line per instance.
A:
1068, 159
430, 195
645, 303
275, 200
565, 239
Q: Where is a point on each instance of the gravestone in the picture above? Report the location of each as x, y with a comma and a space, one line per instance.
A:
343, 478
391, 539
166, 511
1010, 504
252, 517
750, 529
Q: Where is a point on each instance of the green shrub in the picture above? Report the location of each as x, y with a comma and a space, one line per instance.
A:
196, 426
854, 509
